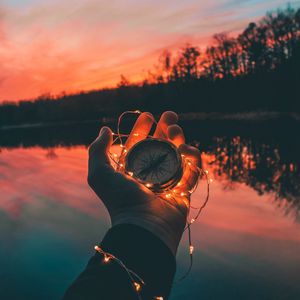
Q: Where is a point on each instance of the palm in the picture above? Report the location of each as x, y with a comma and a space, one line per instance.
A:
129, 201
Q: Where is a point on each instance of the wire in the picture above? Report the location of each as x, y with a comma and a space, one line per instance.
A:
168, 194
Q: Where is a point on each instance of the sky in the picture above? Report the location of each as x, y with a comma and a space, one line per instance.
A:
71, 46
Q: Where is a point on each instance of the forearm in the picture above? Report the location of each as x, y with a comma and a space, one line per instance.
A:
140, 251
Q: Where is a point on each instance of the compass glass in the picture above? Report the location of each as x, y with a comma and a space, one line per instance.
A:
155, 162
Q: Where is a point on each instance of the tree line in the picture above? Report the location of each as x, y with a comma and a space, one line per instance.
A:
257, 70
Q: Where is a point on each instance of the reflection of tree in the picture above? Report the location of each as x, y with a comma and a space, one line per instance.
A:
260, 166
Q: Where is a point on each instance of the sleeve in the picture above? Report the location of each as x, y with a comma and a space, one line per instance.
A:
140, 251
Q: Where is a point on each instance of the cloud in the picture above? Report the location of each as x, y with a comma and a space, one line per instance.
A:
79, 45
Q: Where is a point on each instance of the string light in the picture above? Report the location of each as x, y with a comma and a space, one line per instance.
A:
191, 248
106, 259
159, 298
168, 194
137, 286
136, 280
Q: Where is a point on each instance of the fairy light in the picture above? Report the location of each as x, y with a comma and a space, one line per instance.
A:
191, 248
119, 161
159, 298
106, 258
136, 280
137, 286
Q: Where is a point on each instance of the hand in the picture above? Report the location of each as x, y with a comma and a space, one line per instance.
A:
129, 202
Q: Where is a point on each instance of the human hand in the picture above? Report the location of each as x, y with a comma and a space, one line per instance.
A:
129, 202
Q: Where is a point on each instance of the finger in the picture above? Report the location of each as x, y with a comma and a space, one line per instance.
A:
175, 135
191, 154
140, 129
192, 159
98, 150
167, 118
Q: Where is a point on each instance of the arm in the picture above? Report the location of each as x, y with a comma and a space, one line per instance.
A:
146, 229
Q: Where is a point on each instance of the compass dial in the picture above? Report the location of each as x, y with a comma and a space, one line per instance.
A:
155, 162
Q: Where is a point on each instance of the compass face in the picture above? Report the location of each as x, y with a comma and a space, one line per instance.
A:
155, 162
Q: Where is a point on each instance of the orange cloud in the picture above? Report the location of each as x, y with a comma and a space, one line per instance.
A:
62, 46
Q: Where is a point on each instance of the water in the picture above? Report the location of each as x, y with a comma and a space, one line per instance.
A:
247, 241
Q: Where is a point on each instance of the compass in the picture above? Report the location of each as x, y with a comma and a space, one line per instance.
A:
155, 163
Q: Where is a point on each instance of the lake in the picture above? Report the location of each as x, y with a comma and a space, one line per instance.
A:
247, 240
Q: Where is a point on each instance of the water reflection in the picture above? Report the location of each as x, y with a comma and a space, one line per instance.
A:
245, 247
263, 167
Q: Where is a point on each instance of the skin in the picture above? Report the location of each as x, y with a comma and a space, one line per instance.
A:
126, 200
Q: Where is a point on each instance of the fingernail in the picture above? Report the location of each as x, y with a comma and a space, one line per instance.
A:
103, 131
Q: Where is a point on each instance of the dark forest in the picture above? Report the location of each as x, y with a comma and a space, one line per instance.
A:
256, 71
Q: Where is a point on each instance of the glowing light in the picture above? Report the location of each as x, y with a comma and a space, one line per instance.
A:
122, 146
206, 171
135, 134
211, 180
130, 173
97, 248
137, 286
148, 185
115, 155
125, 150
179, 184
137, 111
121, 165
192, 221
168, 195
182, 194
106, 258
189, 163
191, 249
159, 298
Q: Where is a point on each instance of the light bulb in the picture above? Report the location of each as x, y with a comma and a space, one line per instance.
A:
137, 286
191, 249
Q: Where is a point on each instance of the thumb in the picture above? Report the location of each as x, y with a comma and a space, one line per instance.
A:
99, 148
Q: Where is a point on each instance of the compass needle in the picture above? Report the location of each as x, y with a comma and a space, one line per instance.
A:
156, 162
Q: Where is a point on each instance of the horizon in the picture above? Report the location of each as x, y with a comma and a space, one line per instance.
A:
42, 53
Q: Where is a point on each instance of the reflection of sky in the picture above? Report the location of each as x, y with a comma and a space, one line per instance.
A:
54, 46
245, 247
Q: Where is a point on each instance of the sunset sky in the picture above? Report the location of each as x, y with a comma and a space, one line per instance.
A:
54, 46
